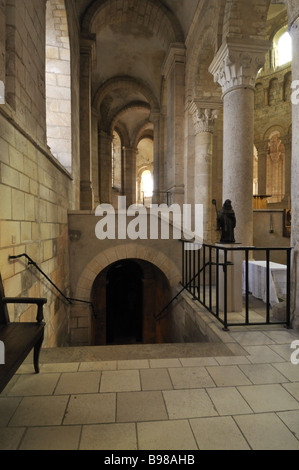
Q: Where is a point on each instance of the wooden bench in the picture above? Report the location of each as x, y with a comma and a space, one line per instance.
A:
19, 338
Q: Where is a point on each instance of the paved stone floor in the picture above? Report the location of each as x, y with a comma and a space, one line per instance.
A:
239, 395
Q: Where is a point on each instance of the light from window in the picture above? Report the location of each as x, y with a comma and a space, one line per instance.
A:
284, 49
147, 183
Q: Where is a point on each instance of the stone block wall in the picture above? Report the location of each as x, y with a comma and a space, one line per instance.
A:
35, 190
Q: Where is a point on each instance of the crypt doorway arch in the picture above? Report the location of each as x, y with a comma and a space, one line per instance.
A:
127, 295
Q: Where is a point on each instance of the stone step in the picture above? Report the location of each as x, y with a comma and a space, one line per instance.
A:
131, 352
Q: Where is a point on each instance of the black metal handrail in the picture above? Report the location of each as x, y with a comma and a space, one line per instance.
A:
208, 256
68, 299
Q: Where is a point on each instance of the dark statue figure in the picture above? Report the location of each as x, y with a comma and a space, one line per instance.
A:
226, 222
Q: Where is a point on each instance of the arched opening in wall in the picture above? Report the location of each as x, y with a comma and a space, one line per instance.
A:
282, 51
127, 296
275, 172
144, 171
124, 303
255, 171
116, 163
58, 83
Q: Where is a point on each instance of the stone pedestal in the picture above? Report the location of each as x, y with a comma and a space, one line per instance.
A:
234, 279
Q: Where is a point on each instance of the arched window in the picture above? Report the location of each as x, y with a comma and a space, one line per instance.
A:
116, 162
147, 184
58, 83
282, 48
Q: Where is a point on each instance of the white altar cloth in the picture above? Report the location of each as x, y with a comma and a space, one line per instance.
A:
257, 281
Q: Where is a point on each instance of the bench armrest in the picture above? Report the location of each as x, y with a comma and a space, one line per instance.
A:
28, 300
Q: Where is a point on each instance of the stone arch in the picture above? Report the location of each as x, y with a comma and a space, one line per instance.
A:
151, 14
131, 84
277, 128
125, 251
129, 107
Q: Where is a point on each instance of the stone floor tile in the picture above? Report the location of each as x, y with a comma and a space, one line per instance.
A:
289, 370
40, 411
166, 435
228, 376
51, 438
262, 354
231, 360
133, 364
190, 377
97, 365
262, 373
263, 398
165, 363
140, 406
60, 367
293, 389
228, 401
10, 438
250, 338
34, 384
283, 350
155, 379
80, 382
191, 403
8, 407
120, 381
198, 361
91, 409
266, 431
281, 337
218, 433
291, 420
117, 436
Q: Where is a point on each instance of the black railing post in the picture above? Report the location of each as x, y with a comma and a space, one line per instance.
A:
225, 289
210, 278
246, 287
183, 263
198, 277
268, 285
217, 282
204, 275
288, 300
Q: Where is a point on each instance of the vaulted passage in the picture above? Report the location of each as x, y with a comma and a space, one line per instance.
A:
127, 296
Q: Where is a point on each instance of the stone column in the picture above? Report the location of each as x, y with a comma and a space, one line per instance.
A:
86, 191
174, 73
235, 68
204, 116
294, 31
130, 174
105, 167
155, 117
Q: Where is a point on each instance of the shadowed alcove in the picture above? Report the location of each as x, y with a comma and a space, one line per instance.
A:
127, 296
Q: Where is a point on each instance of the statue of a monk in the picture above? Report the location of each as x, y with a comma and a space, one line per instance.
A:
226, 222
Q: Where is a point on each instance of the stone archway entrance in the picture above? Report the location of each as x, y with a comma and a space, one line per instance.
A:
124, 303
127, 295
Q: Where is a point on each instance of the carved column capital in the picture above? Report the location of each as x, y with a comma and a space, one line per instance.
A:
237, 63
204, 115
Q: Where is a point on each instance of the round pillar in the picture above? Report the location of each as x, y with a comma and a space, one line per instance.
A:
238, 141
